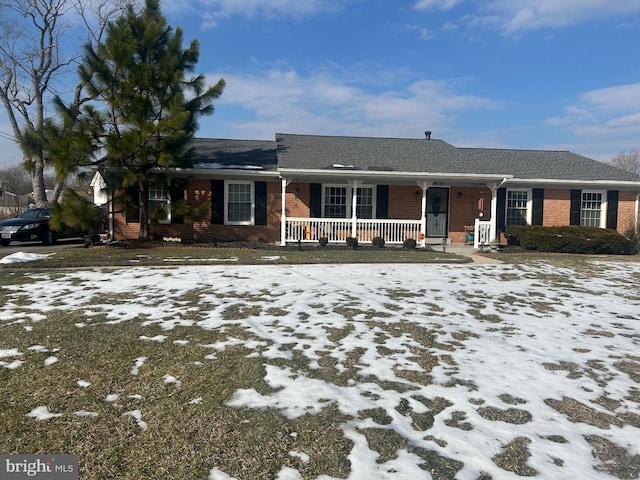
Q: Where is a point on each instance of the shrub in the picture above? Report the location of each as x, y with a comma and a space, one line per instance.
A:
409, 244
323, 241
633, 235
572, 239
352, 242
378, 242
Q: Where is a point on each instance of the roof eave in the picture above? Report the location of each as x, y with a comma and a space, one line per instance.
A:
564, 182
345, 172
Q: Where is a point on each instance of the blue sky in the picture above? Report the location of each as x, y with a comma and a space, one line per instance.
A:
547, 74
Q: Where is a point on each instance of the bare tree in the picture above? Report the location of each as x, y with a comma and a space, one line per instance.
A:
628, 161
35, 53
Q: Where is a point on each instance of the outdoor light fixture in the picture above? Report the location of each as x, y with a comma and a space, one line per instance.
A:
296, 192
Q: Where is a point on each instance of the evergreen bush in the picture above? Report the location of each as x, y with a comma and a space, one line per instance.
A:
378, 242
409, 243
570, 239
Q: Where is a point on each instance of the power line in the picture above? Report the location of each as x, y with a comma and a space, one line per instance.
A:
8, 136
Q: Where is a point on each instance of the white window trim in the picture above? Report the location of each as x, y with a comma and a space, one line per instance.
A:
349, 190
252, 221
603, 206
529, 214
167, 200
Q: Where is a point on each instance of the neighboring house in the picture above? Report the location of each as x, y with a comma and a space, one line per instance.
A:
303, 187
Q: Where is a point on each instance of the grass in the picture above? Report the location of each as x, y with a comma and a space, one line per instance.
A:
126, 255
188, 428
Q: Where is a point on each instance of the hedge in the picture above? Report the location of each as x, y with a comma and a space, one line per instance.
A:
573, 239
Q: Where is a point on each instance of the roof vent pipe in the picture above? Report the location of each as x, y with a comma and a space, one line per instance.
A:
427, 134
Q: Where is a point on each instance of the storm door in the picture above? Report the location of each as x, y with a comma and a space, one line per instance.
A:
437, 212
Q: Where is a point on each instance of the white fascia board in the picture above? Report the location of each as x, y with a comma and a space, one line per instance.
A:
552, 182
346, 173
227, 172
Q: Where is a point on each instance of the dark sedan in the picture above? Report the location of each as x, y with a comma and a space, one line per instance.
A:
30, 225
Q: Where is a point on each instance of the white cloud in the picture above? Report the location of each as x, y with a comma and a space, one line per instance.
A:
213, 11
436, 4
611, 112
520, 15
325, 103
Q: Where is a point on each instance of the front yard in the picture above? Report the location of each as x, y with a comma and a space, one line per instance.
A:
325, 371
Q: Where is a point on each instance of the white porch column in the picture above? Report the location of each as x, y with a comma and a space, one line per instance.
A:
283, 214
423, 209
494, 209
354, 204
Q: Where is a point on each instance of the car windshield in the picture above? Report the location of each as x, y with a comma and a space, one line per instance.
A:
35, 213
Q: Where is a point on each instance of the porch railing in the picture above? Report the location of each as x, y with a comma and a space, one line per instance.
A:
336, 230
482, 234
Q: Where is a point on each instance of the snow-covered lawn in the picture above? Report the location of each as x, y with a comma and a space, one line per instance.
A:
458, 371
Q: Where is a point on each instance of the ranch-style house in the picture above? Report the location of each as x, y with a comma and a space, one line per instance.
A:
300, 188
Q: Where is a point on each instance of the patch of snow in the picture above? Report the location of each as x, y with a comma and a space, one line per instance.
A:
137, 415
50, 361
22, 257
112, 397
42, 413
12, 352
172, 379
137, 364
157, 338
83, 383
84, 413
217, 474
195, 401
303, 457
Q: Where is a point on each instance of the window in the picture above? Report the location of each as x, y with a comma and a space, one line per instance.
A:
517, 207
335, 202
239, 203
591, 209
338, 198
364, 207
159, 203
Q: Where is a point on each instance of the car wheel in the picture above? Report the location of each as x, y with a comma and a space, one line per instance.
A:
49, 237
5, 243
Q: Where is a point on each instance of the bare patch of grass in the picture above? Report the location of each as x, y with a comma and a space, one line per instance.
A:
514, 416
514, 458
615, 460
385, 442
577, 412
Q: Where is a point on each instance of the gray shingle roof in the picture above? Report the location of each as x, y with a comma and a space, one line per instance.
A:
366, 153
437, 156
225, 153
545, 164
399, 155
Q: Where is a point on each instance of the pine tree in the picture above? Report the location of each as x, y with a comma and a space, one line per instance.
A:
148, 103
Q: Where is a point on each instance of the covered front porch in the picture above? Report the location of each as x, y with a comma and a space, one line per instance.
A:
443, 212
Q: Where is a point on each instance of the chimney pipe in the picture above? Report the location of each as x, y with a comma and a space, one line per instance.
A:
427, 134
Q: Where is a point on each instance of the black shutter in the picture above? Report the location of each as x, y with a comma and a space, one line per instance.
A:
315, 200
537, 214
501, 211
612, 209
382, 201
177, 195
132, 204
217, 202
576, 206
260, 190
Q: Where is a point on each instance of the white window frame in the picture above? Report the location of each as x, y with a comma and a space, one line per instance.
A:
252, 200
603, 206
158, 195
349, 195
529, 208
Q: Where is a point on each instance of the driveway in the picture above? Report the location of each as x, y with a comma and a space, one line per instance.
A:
37, 247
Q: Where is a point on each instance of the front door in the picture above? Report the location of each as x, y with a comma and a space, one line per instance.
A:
437, 212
